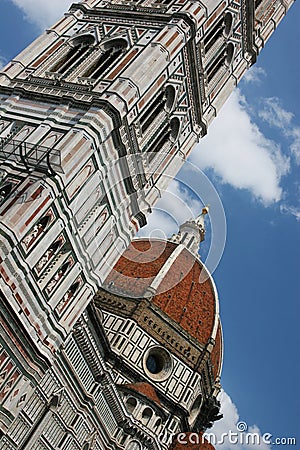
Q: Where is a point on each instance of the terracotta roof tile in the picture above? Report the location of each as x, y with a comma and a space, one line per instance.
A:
183, 298
216, 354
145, 389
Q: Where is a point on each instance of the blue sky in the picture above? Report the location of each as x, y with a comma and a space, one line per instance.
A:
255, 172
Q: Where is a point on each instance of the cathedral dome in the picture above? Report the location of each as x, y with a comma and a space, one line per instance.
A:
176, 282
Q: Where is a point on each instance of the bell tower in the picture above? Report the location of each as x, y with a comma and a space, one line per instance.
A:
97, 115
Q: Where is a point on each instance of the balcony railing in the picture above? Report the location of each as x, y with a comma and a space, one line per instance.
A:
34, 157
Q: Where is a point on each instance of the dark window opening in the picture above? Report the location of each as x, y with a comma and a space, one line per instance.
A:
155, 108
62, 441
73, 55
111, 52
74, 287
146, 415
65, 267
229, 53
131, 404
170, 133
5, 191
228, 19
214, 68
55, 246
164, 101
154, 364
214, 34
159, 142
44, 221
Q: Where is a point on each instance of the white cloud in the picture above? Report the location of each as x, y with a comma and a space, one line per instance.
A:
277, 117
175, 207
254, 75
240, 154
251, 438
274, 114
43, 13
289, 209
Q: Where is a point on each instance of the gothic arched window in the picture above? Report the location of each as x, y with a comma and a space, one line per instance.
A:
157, 425
215, 65
229, 53
228, 20
78, 47
111, 51
169, 133
214, 34
164, 101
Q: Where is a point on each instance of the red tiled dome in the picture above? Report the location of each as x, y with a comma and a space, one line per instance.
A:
217, 353
144, 268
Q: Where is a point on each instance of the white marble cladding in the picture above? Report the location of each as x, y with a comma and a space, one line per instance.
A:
132, 343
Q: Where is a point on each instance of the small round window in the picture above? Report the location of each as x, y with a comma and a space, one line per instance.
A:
158, 364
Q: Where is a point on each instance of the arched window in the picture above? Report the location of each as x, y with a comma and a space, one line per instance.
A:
43, 222
74, 287
78, 47
169, 133
86, 446
157, 425
175, 129
146, 415
214, 67
111, 52
229, 53
228, 19
131, 404
164, 101
214, 34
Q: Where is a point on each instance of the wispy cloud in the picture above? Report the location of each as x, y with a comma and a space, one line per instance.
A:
273, 113
3, 62
175, 207
255, 75
290, 209
232, 422
43, 13
240, 154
